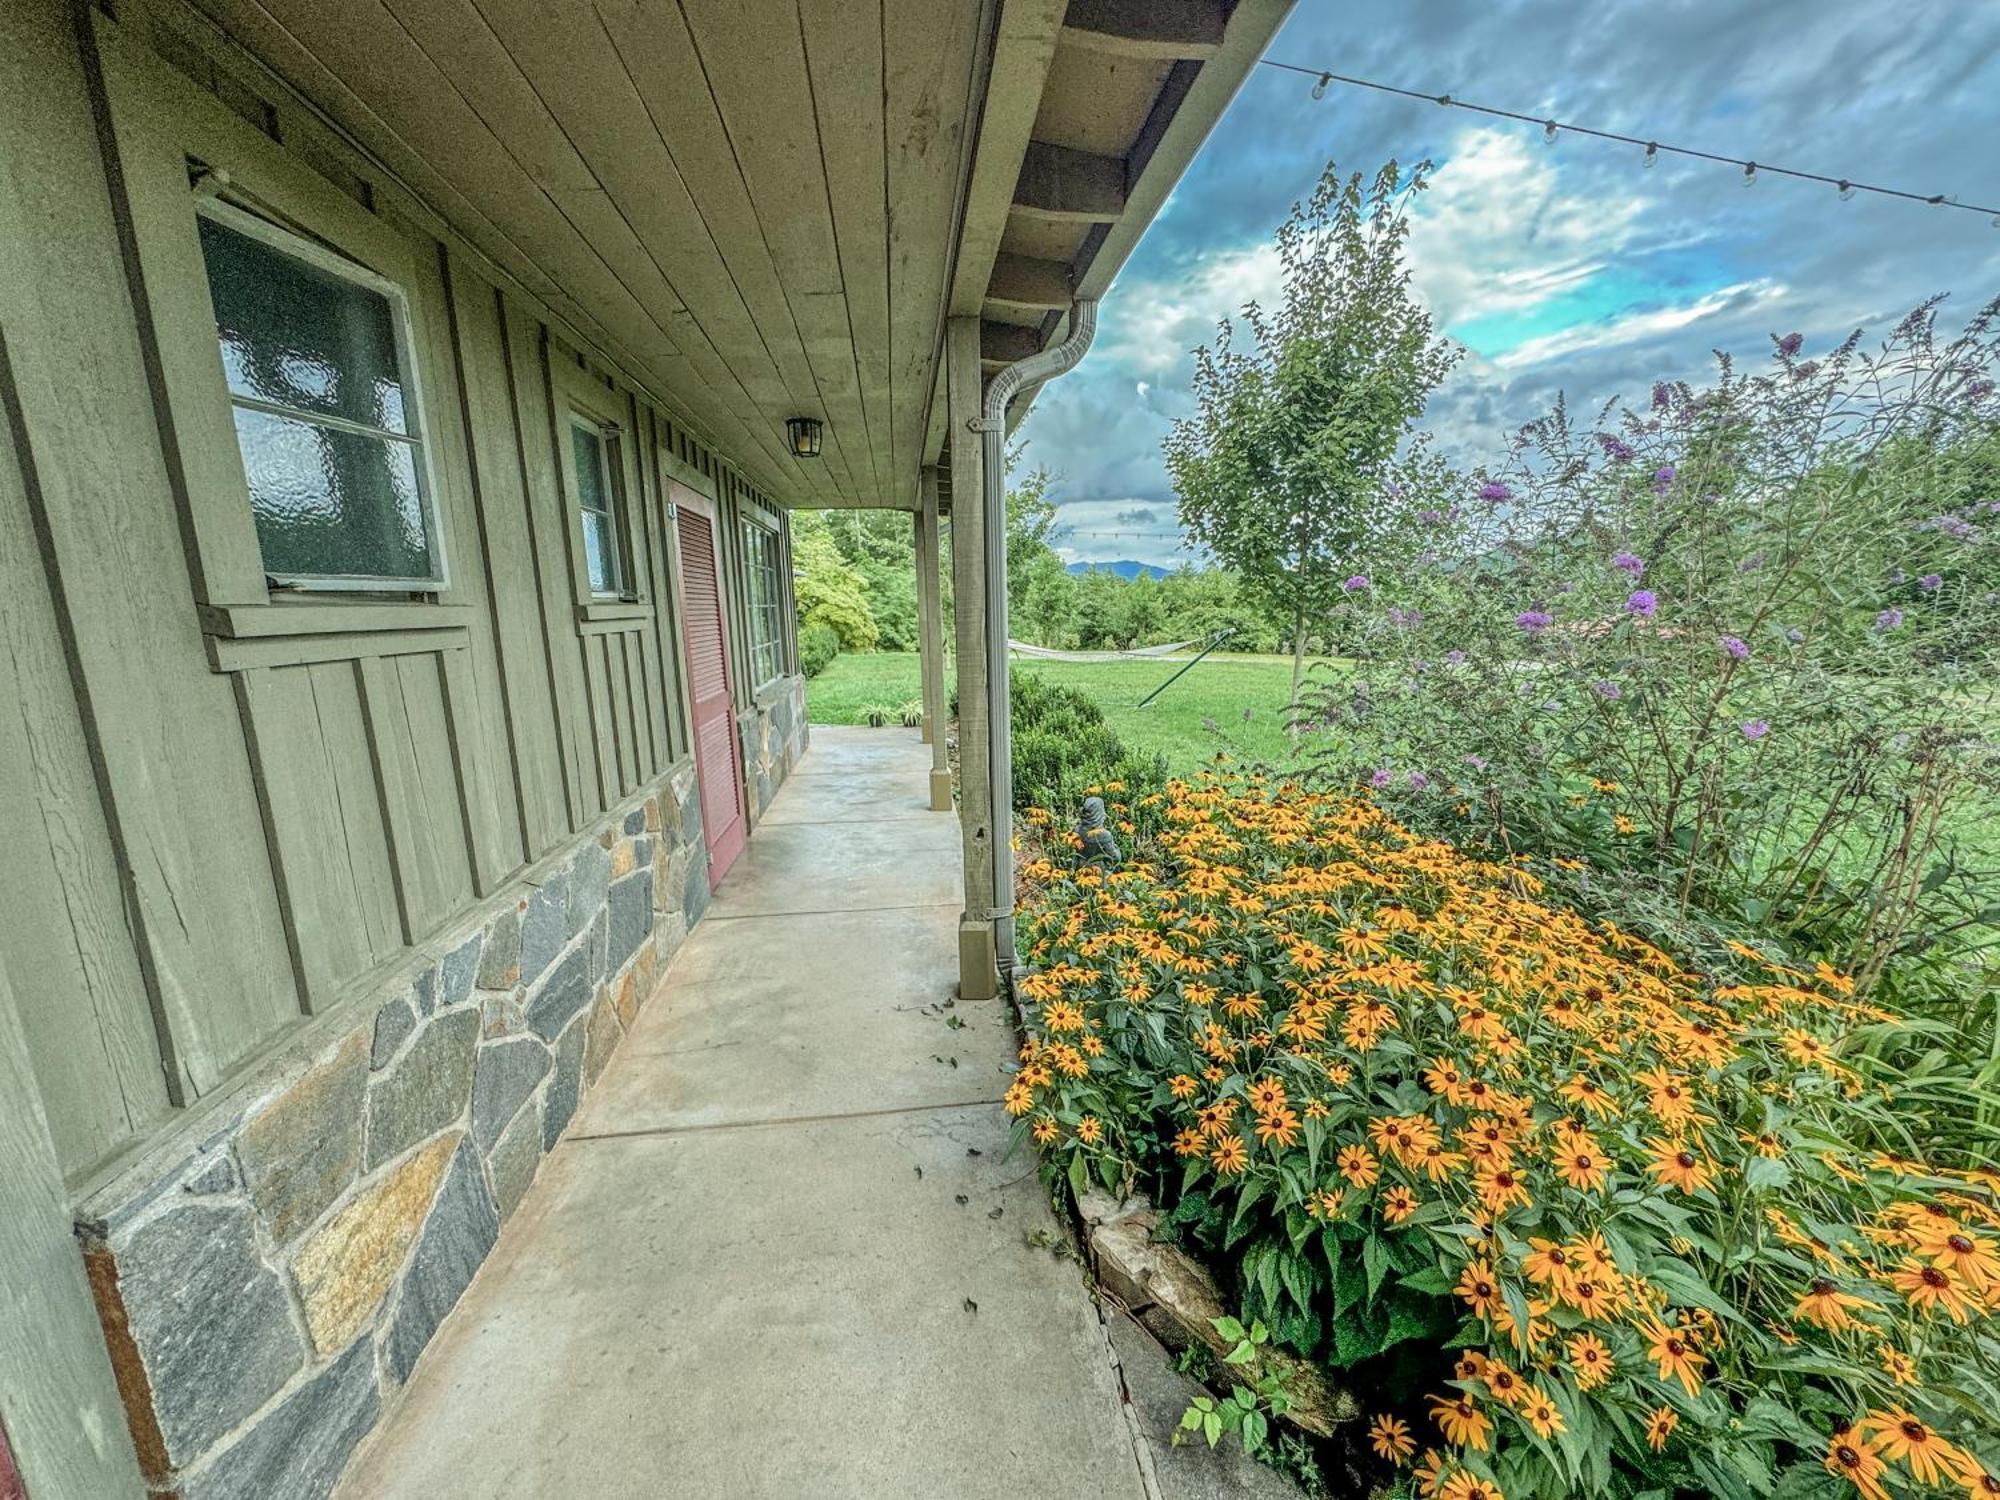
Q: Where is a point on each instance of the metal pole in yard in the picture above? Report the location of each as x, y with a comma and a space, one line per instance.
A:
1220, 637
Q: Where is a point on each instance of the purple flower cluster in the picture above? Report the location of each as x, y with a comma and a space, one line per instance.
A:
1407, 618
1382, 777
1735, 647
1534, 621
1791, 343
1356, 584
1418, 781
1755, 729
1930, 583
1663, 479
1615, 449
1454, 657
1627, 562
1643, 603
1493, 492
1608, 690
1889, 619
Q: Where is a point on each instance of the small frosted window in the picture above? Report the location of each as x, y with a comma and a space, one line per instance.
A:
328, 434
594, 500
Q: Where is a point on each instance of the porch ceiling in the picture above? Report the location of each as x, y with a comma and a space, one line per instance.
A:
766, 208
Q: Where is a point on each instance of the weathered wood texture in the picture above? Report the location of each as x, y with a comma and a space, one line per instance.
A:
226, 810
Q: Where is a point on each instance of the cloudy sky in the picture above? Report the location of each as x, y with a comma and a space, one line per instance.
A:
1567, 267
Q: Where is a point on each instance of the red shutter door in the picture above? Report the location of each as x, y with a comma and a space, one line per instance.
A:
716, 764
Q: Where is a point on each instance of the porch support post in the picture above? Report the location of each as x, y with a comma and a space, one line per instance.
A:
978, 973
930, 639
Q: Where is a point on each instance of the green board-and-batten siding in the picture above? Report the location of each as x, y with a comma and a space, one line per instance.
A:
226, 811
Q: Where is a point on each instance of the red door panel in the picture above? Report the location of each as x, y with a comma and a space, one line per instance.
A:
717, 765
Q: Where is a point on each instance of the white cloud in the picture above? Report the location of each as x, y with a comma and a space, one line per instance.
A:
1635, 327
1154, 323
1496, 232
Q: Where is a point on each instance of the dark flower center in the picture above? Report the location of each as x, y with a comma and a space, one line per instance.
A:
1822, 1287
1482, 1288
1934, 1277
1914, 1431
1686, 1158
1676, 1348
1848, 1457
1960, 1243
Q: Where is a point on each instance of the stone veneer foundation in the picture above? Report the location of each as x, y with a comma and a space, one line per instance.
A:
773, 732
267, 1286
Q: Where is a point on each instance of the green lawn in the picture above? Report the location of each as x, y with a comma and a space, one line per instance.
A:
1243, 696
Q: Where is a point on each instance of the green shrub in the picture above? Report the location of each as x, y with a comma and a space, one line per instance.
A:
877, 715
818, 646
912, 714
1063, 748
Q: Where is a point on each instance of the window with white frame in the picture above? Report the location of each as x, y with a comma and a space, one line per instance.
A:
767, 604
323, 388
595, 451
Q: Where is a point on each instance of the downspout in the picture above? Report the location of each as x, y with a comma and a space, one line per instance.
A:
1013, 381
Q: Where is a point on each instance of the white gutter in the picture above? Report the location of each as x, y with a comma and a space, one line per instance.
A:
1015, 380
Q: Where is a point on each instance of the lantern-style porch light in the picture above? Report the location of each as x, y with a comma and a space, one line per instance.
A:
804, 435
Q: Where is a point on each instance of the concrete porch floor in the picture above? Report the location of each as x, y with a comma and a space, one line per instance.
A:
779, 1253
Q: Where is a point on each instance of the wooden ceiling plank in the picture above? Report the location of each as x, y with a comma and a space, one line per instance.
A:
401, 77
844, 64
929, 56
1057, 182
660, 58
1170, 29
582, 84
386, 92
756, 72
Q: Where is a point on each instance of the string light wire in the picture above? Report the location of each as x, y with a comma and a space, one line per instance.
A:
1552, 129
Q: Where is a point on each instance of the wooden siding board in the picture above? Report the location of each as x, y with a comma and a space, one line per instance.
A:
88, 1026
302, 826
520, 668
171, 764
363, 836
488, 862
603, 749
542, 512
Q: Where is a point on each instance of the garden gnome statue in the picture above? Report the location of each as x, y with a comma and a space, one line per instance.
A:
1099, 847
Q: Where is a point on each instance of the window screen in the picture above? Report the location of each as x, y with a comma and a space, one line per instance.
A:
324, 417
767, 608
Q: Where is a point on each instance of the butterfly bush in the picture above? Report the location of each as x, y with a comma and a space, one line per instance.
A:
1739, 647
1585, 1217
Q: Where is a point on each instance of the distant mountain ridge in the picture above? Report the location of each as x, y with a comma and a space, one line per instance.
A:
1126, 568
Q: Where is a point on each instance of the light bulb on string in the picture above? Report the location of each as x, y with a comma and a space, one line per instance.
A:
1846, 190
1549, 131
1749, 173
1319, 88
1652, 154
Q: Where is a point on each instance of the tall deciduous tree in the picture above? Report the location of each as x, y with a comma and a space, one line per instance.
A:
1281, 471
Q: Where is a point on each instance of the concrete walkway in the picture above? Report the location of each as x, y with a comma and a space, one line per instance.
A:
779, 1253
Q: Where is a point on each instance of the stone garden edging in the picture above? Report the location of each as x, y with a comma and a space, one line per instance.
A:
1174, 1298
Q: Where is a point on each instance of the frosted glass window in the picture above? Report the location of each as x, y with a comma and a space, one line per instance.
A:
317, 375
601, 555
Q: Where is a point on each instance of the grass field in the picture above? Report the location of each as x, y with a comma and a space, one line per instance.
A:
1242, 697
